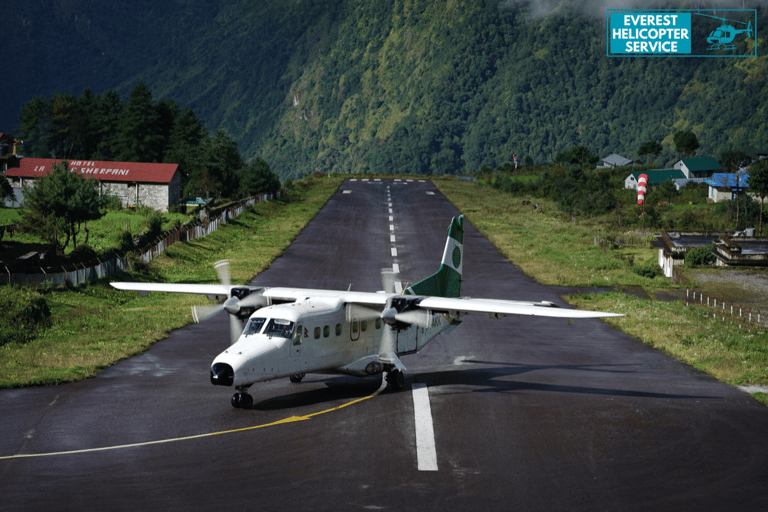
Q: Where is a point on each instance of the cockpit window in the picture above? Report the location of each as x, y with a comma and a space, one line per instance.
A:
279, 327
254, 326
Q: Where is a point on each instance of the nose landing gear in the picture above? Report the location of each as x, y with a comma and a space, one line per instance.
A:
241, 399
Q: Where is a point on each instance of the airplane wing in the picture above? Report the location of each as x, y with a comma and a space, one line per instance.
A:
500, 308
200, 289
298, 294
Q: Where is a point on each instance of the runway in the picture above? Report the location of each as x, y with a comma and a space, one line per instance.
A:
525, 413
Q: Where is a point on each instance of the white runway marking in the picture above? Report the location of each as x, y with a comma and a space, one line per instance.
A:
391, 227
347, 191
394, 252
392, 238
426, 453
395, 268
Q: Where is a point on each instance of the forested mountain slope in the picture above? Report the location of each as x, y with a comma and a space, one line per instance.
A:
415, 86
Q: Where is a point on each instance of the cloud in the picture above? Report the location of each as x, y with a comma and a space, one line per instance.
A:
598, 8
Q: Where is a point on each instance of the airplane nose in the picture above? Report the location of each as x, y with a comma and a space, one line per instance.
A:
222, 374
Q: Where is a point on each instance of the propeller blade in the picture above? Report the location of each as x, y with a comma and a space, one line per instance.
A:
387, 347
388, 280
201, 313
222, 268
254, 299
235, 329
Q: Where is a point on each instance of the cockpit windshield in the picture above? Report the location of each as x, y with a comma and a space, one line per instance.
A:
279, 327
254, 326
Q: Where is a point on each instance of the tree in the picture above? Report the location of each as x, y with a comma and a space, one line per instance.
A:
667, 189
106, 119
758, 184
649, 148
140, 130
686, 143
36, 128
57, 204
258, 178
732, 161
581, 155
6, 190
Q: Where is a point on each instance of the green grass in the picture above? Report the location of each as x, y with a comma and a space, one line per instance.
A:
94, 325
555, 251
104, 233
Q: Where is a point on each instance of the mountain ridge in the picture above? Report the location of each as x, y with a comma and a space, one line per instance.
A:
399, 85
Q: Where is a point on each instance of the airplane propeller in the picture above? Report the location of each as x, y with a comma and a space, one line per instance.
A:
232, 305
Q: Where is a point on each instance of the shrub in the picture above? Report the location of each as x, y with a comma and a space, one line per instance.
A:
23, 315
650, 270
83, 253
700, 255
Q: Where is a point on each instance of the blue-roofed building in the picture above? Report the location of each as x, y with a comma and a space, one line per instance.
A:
723, 186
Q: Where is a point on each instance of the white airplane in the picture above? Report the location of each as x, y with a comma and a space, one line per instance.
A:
294, 331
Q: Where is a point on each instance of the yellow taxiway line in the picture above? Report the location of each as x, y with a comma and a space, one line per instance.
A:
291, 419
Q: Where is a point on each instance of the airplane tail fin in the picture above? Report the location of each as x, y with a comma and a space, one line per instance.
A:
446, 282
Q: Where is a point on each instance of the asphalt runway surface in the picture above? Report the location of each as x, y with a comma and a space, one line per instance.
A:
526, 413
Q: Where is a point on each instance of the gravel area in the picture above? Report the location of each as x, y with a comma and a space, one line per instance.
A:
744, 287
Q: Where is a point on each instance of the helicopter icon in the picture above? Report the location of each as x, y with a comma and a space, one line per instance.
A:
722, 37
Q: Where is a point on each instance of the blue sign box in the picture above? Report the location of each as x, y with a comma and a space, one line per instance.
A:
680, 32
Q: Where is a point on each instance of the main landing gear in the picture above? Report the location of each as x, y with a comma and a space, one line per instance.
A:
396, 380
241, 399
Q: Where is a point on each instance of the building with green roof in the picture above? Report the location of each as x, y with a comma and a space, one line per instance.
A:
655, 176
703, 167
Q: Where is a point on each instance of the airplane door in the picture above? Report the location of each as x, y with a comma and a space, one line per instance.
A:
298, 337
407, 340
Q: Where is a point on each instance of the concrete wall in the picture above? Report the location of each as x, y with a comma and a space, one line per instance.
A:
159, 196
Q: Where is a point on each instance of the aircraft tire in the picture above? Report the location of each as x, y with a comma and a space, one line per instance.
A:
296, 378
246, 401
396, 380
236, 401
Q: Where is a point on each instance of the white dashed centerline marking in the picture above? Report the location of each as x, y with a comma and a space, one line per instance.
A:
426, 453
394, 252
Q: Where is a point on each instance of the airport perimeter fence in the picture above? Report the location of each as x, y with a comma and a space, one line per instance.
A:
745, 317
74, 274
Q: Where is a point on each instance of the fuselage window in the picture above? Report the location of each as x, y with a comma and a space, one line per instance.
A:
254, 326
378, 323
338, 329
279, 327
326, 331
364, 325
354, 327
317, 333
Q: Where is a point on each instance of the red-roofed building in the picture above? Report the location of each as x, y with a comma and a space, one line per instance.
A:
134, 183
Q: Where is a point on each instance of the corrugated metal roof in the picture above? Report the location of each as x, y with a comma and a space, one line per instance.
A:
617, 160
706, 163
138, 172
656, 176
724, 179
